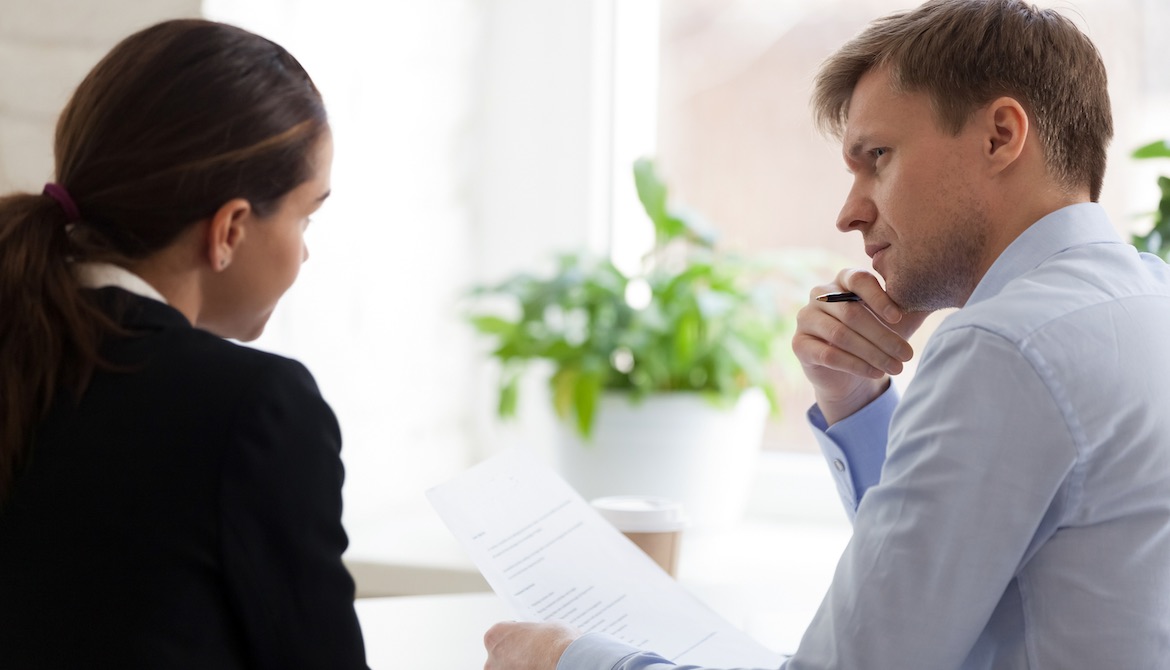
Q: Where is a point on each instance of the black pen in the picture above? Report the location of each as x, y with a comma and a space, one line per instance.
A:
843, 296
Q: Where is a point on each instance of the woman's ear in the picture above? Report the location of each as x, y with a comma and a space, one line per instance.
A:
226, 231
1007, 130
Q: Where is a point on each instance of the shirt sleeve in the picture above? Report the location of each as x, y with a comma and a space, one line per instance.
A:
979, 452
855, 447
596, 651
282, 538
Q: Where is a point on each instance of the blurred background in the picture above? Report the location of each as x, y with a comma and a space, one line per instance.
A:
476, 138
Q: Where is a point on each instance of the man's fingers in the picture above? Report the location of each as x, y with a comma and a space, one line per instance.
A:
494, 634
847, 349
513, 645
817, 352
852, 329
866, 286
860, 319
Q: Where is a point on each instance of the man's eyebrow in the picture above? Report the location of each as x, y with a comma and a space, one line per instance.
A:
857, 148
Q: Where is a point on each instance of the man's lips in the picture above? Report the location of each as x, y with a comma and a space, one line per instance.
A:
875, 252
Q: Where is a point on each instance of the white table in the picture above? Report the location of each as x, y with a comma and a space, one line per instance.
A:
443, 632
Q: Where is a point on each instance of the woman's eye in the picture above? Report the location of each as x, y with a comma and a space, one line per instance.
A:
878, 153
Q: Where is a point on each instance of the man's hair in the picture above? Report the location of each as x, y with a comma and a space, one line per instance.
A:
966, 53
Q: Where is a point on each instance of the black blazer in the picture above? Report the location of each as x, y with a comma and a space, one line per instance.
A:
185, 513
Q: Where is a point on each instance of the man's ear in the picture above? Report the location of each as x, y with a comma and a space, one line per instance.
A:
225, 232
1006, 125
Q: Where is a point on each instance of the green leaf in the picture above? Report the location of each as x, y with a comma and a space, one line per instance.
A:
773, 401
588, 394
1157, 149
557, 350
685, 220
1157, 240
651, 191
686, 339
493, 325
509, 396
508, 350
680, 283
564, 384
670, 223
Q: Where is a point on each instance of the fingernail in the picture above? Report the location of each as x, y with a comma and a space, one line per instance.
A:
893, 314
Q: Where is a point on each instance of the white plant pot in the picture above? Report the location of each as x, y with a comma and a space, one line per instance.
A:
673, 445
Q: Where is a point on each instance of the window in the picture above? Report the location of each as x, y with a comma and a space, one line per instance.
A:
475, 139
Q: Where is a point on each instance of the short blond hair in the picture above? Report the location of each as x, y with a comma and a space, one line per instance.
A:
966, 53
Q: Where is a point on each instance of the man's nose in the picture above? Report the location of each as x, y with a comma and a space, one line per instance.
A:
858, 211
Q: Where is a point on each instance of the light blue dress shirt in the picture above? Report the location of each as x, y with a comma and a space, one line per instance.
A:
1022, 514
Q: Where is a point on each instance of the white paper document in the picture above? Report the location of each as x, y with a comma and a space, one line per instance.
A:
551, 556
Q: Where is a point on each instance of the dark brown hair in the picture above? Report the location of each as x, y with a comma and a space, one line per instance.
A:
175, 121
966, 53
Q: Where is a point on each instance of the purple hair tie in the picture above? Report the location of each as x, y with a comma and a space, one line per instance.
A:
58, 193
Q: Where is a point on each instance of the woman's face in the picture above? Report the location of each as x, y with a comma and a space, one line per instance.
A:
269, 256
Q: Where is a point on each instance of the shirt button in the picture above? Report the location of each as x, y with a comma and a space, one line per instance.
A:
839, 464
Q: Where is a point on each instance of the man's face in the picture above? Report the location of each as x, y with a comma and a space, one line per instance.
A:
916, 197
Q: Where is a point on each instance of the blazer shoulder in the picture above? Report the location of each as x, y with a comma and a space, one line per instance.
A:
268, 385
212, 358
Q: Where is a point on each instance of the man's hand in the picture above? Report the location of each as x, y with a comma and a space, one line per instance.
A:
526, 646
849, 349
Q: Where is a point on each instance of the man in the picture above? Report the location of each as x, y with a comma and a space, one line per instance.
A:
1022, 514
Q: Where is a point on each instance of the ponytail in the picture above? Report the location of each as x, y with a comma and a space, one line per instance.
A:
49, 331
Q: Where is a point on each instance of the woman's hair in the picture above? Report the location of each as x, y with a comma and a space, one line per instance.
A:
966, 53
174, 122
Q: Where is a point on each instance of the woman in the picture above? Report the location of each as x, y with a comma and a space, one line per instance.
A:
167, 498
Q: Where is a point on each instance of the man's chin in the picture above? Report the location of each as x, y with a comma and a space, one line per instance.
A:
922, 298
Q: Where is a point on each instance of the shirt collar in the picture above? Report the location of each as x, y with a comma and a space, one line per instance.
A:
1068, 227
101, 275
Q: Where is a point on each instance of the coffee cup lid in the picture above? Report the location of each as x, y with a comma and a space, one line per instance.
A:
642, 514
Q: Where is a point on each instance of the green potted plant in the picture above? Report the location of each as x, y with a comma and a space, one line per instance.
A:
1157, 240
694, 332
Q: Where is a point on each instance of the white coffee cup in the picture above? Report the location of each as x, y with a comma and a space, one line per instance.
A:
654, 524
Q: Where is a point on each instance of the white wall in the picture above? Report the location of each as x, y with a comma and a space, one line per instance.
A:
46, 47
464, 141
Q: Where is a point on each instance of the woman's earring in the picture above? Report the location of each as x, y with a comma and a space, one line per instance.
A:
222, 263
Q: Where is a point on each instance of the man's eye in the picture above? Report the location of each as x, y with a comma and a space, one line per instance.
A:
878, 153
